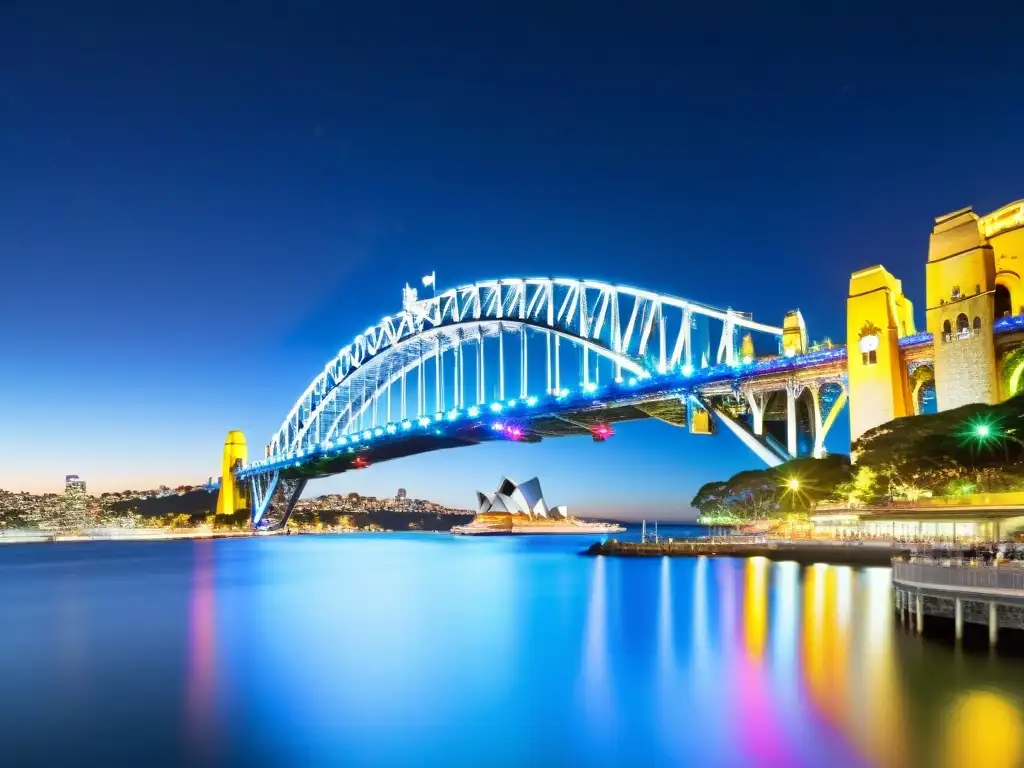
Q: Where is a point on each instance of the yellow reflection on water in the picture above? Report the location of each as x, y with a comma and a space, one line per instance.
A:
755, 607
826, 640
983, 728
883, 725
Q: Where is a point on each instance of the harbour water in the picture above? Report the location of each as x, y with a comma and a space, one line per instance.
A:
420, 649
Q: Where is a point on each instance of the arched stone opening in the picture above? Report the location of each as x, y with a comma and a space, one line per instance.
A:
1003, 302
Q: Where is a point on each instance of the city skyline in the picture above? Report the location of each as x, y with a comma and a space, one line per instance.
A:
186, 257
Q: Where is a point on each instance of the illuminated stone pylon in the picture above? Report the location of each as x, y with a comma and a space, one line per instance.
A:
232, 496
877, 315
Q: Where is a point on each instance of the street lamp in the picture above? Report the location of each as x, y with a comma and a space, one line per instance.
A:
984, 431
793, 484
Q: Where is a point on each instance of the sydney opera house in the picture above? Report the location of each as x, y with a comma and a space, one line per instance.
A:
521, 508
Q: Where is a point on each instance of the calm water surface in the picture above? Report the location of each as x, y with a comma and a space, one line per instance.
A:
419, 649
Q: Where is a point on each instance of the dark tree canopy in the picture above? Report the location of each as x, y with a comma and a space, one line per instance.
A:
975, 448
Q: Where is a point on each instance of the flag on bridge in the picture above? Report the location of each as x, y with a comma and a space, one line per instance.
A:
430, 280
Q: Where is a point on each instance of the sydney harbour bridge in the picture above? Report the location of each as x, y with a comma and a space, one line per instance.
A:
525, 359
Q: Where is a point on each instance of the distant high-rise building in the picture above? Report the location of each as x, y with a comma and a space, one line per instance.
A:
74, 513
401, 494
74, 485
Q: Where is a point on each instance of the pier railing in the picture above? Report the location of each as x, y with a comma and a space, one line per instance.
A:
955, 575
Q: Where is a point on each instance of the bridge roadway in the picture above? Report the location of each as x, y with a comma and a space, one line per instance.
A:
669, 397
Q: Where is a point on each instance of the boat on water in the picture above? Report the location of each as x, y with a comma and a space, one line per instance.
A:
516, 510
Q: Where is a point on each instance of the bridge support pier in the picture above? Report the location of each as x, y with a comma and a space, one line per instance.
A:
958, 618
274, 498
792, 391
756, 401
823, 427
993, 624
919, 611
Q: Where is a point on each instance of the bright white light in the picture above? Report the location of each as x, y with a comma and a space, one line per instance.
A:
632, 381
618, 379
391, 429
687, 370
645, 374
661, 368
438, 416
531, 401
790, 352
564, 393
473, 411
342, 441
453, 414
511, 403
747, 359
378, 432
591, 387
406, 424
424, 421
367, 434
496, 407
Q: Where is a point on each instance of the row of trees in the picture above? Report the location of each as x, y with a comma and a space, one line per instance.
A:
972, 449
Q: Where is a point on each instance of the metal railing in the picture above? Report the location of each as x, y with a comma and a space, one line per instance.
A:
953, 575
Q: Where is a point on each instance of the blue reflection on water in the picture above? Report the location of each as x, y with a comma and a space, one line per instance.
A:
399, 649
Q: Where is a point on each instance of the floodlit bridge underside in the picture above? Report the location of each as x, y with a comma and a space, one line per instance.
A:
522, 360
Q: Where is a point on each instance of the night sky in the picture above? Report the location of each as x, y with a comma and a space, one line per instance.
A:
201, 203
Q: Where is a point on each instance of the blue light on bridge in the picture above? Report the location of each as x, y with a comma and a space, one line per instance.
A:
562, 398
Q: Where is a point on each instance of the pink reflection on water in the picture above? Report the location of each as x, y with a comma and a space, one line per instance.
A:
201, 680
762, 730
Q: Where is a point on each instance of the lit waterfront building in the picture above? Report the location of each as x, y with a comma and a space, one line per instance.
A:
521, 508
984, 516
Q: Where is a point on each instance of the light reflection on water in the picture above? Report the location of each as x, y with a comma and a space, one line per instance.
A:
417, 649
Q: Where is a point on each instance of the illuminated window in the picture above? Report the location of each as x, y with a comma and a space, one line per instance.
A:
869, 349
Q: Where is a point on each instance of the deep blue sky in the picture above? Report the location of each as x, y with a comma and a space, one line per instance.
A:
198, 207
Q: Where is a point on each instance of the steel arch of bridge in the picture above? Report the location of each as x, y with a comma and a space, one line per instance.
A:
636, 330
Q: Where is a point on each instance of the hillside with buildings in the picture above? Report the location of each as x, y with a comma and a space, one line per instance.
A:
190, 507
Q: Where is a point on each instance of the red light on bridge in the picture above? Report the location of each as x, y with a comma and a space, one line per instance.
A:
602, 432
361, 463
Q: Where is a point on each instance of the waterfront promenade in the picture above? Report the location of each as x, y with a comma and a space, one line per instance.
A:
968, 591
805, 552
